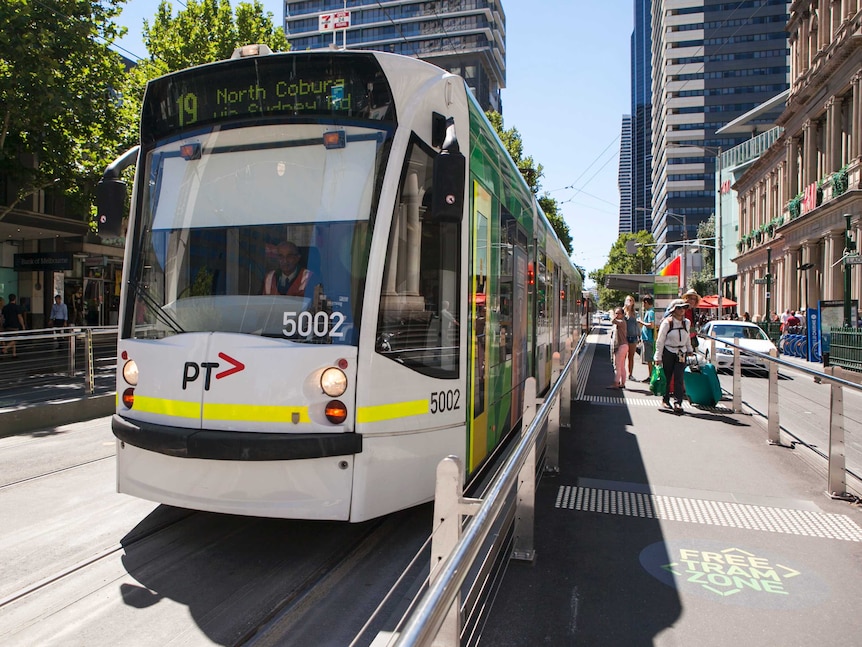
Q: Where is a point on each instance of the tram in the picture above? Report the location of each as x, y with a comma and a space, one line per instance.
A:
334, 277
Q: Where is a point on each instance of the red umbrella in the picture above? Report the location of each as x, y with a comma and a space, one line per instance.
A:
711, 301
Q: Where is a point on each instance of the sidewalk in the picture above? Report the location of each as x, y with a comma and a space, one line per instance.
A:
678, 530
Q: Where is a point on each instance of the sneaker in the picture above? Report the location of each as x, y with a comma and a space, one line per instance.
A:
677, 408
646, 380
666, 404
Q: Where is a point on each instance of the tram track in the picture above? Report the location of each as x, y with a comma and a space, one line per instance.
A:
56, 471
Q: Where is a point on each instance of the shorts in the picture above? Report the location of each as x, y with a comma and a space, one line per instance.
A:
648, 352
632, 340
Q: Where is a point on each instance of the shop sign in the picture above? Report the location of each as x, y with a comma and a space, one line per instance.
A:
42, 261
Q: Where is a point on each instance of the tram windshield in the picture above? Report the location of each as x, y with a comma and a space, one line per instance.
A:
261, 231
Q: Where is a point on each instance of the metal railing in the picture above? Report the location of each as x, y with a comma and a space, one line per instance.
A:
56, 362
436, 618
836, 446
845, 348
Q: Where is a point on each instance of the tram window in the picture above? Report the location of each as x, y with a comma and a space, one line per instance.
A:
419, 321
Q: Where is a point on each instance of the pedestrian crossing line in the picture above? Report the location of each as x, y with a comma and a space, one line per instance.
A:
646, 402
728, 514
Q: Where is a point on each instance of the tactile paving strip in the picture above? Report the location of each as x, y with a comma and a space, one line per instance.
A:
635, 401
716, 513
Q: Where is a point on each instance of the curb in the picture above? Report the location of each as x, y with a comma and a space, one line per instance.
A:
41, 415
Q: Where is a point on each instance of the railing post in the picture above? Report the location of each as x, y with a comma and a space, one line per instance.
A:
737, 381
772, 423
89, 369
552, 448
449, 506
566, 392
837, 486
72, 339
523, 548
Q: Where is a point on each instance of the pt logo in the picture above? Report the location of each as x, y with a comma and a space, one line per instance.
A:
730, 571
192, 370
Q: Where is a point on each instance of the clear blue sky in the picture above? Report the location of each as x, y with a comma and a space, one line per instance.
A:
567, 88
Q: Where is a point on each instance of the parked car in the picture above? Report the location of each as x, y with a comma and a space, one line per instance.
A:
606, 316
744, 334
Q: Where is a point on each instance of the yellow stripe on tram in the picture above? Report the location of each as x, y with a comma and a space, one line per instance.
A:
162, 407
256, 413
382, 412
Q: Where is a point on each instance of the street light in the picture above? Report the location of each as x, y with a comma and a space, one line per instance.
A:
719, 244
681, 217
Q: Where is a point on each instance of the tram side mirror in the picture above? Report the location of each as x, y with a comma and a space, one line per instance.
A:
447, 197
110, 206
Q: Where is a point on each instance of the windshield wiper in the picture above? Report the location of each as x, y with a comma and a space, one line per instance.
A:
163, 315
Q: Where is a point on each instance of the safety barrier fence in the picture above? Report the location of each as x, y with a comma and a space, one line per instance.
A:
845, 348
44, 364
835, 442
437, 617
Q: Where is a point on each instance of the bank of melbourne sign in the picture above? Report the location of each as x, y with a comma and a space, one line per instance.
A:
42, 261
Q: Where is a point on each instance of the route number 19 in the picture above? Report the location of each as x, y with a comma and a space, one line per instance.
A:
188, 105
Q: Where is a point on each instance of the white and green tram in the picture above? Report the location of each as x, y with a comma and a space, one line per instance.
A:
334, 277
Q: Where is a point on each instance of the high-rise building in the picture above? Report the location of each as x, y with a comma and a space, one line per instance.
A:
466, 37
712, 61
641, 113
624, 177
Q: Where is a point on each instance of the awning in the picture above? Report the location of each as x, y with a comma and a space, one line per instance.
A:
629, 282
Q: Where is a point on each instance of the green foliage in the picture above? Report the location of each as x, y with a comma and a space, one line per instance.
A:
203, 32
59, 109
531, 172
621, 262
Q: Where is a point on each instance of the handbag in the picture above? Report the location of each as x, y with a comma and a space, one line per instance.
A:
658, 381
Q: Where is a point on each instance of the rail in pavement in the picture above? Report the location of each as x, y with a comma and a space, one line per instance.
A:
679, 530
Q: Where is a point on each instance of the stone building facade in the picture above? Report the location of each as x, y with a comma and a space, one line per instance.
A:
793, 200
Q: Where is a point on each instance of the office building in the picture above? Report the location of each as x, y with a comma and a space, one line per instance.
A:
466, 37
712, 61
641, 113
624, 177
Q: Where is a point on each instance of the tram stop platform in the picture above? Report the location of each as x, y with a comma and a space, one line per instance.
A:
675, 531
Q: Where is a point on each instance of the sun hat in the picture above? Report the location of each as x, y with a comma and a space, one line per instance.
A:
691, 293
676, 303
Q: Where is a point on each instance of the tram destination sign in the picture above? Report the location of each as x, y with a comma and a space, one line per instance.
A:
325, 85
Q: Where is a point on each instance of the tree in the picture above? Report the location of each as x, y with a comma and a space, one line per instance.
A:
704, 281
621, 262
531, 172
203, 32
60, 114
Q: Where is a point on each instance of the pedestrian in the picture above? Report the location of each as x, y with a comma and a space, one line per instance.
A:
59, 316
692, 298
647, 324
619, 348
632, 332
13, 322
672, 346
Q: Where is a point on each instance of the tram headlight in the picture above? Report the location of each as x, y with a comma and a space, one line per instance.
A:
130, 372
336, 412
333, 381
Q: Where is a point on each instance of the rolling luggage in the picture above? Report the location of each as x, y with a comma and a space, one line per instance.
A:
701, 385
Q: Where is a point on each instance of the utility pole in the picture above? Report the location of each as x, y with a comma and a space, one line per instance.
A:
849, 247
768, 284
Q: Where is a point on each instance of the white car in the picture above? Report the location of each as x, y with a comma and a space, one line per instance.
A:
744, 334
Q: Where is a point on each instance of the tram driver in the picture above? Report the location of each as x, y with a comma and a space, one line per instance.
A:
290, 279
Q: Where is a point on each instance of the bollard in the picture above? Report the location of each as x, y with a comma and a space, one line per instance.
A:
772, 424
552, 449
737, 381
523, 548
449, 506
89, 367
837, 478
